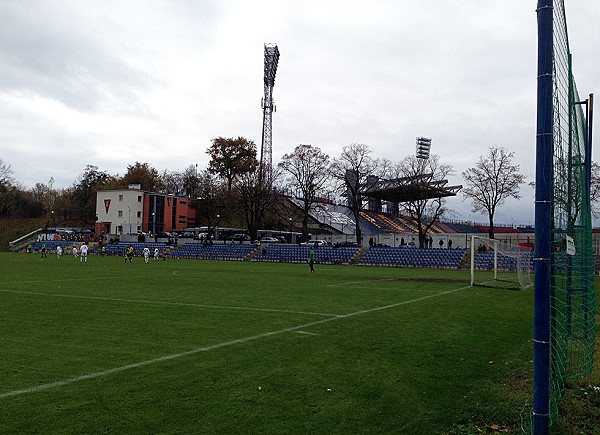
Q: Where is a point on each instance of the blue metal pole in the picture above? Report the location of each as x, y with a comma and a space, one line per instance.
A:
543, 221
588, 176
588, 143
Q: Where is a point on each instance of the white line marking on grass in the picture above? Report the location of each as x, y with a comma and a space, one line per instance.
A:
365, 284
42, 387
95, 278
345, 283
307, 333
180, 304
386, 288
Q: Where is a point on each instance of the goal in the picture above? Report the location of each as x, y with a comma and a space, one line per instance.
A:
498, 263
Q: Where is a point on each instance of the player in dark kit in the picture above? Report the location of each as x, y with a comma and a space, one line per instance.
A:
128, 254
311, 260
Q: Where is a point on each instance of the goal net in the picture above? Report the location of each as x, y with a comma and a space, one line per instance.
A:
498, 263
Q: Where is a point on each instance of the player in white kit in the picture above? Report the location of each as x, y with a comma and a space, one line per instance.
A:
84, 252
146, 254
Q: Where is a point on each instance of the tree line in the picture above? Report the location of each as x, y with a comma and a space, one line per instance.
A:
233, 188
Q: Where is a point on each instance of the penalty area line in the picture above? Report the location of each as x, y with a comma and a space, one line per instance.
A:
298, 328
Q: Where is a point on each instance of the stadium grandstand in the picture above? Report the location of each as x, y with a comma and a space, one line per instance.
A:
392, 244
389, 238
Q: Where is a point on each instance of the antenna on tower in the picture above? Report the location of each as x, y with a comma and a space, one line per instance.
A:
268, 107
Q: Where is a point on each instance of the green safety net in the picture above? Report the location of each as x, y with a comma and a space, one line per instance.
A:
573, 302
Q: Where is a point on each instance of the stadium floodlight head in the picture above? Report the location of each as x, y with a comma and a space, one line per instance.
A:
271, 61
423, 147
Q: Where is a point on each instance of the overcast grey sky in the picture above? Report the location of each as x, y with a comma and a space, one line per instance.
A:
110, 83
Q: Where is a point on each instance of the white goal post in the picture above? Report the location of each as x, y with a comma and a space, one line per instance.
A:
497, 263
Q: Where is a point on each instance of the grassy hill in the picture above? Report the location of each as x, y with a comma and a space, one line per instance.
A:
13, 228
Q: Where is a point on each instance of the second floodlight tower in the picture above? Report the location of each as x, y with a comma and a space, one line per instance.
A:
268, 106
423, 147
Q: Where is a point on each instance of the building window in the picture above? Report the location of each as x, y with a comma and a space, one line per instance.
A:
120, 198
139, 198
120, 213
139, 215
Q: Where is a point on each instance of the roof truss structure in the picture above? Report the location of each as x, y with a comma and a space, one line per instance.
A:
410, 189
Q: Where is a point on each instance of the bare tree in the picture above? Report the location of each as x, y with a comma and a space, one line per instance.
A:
493, 179
189, 180
6, 178
211, 200
421, 177
352, 169
183, 183
45, 194
257, 196
307, 170
595, 189
171, 182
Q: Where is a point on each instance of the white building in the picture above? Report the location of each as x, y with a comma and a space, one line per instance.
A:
120, 211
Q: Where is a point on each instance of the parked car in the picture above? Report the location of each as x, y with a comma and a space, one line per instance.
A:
314, 242
240, 238
269, 240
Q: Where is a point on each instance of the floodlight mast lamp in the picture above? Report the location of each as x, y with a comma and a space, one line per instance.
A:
266, 149
423, 147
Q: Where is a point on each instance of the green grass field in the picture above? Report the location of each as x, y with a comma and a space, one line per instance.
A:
191, 346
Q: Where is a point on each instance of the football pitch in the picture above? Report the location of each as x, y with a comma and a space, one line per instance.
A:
196, 346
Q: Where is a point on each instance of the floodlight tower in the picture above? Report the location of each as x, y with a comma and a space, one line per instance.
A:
423, 147
268, 106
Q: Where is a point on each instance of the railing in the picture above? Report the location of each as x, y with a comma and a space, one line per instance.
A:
26, 236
